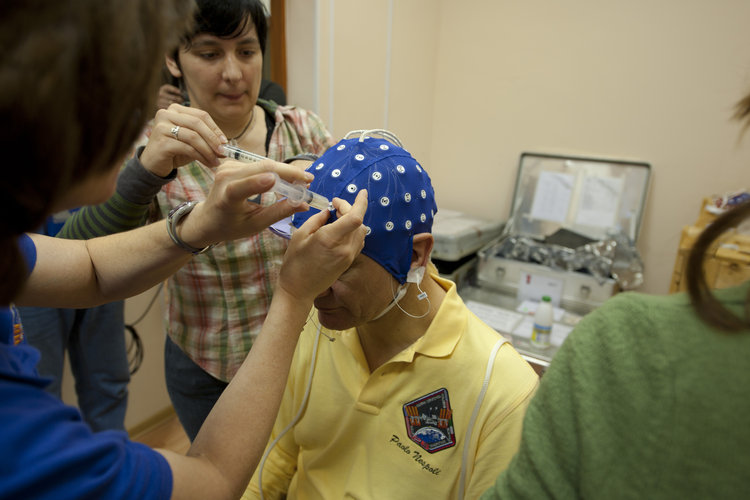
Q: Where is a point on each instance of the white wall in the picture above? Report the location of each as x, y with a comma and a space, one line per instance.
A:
302, 53
476, 83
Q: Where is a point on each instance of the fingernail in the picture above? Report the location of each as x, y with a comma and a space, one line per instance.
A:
309, 177
223, 139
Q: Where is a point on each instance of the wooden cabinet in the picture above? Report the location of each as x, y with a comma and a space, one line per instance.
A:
727, 267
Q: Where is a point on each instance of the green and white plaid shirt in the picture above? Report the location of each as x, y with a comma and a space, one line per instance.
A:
218, 301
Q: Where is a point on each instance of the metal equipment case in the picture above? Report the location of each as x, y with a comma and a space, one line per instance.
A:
568, 201
569, 197
458, 237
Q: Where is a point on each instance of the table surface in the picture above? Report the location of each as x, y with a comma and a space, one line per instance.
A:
532, 353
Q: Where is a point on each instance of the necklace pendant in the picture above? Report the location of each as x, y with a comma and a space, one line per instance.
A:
233, 140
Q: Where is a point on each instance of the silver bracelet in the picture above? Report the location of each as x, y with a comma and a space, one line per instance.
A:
302, 156
174, 217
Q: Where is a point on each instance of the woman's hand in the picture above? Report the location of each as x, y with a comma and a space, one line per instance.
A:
319, 253
180, 135
168, 94
226, 214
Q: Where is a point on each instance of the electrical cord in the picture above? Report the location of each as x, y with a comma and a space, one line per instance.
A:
302, 407
473, 419
135, 346
134, 349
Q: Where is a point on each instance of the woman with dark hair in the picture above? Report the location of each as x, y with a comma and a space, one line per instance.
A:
74, 104
216, 303
648, 396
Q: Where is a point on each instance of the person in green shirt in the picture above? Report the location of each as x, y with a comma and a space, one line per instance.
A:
648, 396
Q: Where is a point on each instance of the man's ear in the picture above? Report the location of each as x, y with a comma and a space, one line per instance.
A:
173, 67
421, 249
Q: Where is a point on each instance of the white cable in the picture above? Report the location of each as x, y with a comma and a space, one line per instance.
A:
472, 421
296, 417
421, 294
379, 131
396, 297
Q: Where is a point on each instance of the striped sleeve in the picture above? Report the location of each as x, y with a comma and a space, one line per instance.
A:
128, 208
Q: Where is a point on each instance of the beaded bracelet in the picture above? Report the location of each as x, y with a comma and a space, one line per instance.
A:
174, 217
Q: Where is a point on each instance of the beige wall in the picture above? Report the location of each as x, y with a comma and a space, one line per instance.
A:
473, 84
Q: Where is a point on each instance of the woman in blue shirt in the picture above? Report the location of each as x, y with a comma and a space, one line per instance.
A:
77, 81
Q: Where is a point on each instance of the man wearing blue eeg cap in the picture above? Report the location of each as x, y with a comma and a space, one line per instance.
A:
397, 390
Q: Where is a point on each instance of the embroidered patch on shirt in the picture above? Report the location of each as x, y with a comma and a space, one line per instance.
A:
429, 421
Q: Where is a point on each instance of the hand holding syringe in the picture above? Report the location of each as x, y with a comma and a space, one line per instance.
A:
295, 193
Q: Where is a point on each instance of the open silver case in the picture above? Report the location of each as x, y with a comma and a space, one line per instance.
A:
588, 196
564, 202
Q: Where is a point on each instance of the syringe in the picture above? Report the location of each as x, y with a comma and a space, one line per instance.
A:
236, 153
295, 193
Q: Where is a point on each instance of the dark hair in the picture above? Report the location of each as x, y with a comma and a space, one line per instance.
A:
708, 308
227, 19
78, 79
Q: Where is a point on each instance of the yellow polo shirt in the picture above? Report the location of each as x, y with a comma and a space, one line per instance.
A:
400, 431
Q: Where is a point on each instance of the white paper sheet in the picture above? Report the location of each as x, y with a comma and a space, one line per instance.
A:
559, 333
552, 196
528, 307
600, 199
502, 320
557, 336
535, 286
524, 328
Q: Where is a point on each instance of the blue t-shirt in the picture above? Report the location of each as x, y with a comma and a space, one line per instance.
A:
48, 451
55, 222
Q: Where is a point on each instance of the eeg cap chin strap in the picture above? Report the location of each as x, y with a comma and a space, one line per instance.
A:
415, 275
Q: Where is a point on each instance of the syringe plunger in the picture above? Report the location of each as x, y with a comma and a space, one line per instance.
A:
294, 192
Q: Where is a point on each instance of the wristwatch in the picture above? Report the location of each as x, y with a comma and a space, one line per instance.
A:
173, 218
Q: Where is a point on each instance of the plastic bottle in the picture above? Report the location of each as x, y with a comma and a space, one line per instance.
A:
540, 335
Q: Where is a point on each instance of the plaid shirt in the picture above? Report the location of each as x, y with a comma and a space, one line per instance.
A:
219, 300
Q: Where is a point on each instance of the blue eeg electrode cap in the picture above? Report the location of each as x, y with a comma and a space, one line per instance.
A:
401, 198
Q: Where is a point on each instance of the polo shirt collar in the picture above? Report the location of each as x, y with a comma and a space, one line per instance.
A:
446, 329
